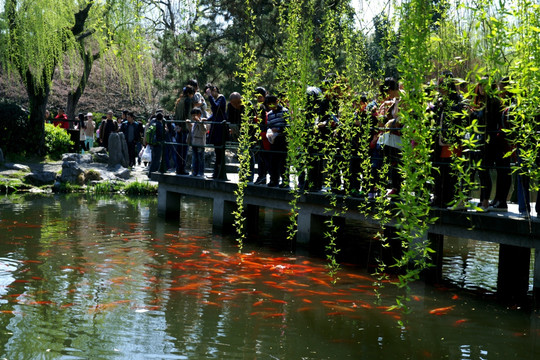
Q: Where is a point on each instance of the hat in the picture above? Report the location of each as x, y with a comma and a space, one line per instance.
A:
89, 114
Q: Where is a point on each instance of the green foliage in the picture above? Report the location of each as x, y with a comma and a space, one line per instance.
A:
57, 141
9, 186
211, 38
13, 128
43, 36
106, 187
68, 188
249, 78
140, 188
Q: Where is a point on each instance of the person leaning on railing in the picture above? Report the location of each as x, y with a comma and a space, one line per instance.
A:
277, 122
218, 128
182, 111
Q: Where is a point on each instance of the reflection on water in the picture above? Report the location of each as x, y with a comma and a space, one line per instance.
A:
473, 265
104, 278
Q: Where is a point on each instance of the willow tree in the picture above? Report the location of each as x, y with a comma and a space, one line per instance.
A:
43, 36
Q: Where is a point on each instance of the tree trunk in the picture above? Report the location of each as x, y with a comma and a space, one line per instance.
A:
38, 98
74, 96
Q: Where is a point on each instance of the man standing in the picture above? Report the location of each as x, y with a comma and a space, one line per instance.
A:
107, 127
154, 137
130, 128
61, 119
182, 112
235, 110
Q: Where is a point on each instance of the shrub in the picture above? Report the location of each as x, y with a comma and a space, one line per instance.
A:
57, 141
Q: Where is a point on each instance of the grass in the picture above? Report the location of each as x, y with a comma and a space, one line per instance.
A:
132, 188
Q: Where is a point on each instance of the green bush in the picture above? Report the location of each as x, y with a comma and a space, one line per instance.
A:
57, 141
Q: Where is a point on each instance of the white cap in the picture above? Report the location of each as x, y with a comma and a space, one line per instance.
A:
90, 114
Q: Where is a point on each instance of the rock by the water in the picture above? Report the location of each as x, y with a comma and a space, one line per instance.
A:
41, 177
98, 150
101, 158
120, 172
71, 172
79, 158
118, 153
17, 167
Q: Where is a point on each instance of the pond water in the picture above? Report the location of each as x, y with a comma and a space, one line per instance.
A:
105, 278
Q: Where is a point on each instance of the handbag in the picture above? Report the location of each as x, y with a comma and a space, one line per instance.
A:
146, 154
389, 139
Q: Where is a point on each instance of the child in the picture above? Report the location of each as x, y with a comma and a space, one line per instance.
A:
197, 140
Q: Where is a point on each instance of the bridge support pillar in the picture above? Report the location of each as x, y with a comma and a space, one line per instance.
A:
303, 223
536, 279
168, 204
513, 274
223, 213
251, 212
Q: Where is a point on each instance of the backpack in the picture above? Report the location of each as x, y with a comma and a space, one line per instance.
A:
150, 136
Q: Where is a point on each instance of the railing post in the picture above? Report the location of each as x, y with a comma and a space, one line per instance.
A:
222, 169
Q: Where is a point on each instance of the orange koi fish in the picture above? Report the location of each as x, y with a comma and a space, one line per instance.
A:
274, 315
31, 262
39, 303
442, 310
187, 287
460, 321
334, 313
340, 308
319, 281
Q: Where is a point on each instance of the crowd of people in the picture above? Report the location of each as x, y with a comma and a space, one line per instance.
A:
194, 125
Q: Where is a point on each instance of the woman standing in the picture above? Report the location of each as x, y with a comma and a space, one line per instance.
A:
82, 136
89, 131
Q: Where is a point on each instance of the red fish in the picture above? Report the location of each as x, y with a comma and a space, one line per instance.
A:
319, 281
277, 301
274, 315
186, 287
40, 303
460, 321
31, 262
204, 302
442, 310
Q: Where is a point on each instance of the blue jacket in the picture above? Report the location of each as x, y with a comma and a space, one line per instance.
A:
278, 118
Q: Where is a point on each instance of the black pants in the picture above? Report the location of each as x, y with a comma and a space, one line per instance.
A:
132, 153
278, 160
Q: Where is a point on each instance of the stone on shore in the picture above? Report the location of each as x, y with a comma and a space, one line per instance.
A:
79, 158
118, 152
41, 177
120, 172
72, 172
17, 167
